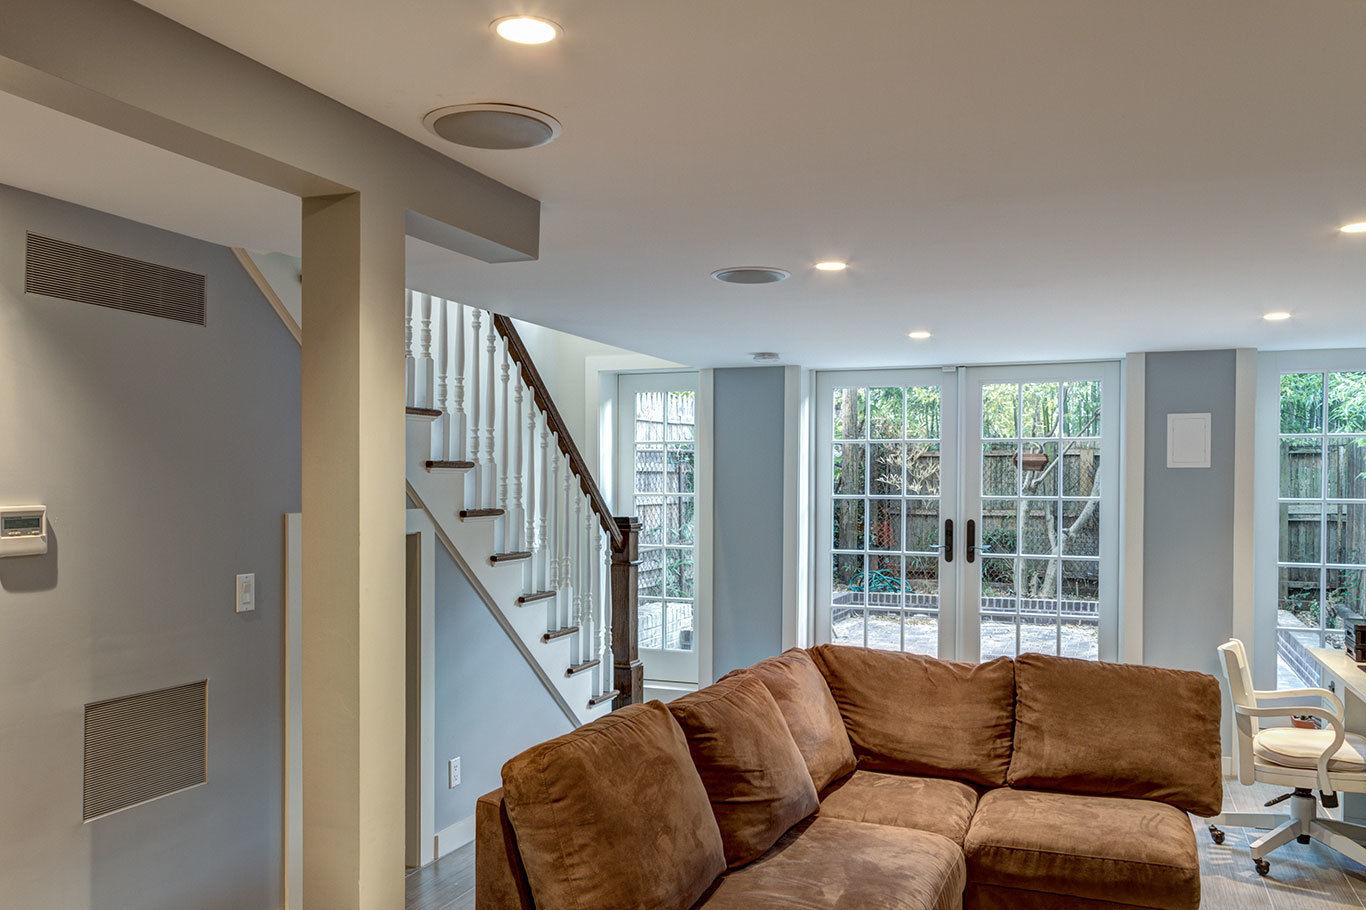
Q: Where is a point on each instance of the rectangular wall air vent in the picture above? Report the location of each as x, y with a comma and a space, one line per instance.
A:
55, 268
143, 746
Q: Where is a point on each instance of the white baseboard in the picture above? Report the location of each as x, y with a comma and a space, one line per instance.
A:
454, 837
1229, 770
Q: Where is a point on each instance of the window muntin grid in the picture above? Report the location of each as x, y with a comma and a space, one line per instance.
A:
1039, 522
1321, 510
885, 517
664, 487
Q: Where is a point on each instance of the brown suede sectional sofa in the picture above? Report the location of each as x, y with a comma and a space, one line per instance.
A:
850, 778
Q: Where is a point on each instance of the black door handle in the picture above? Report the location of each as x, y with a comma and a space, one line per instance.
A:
948, 540
972, 540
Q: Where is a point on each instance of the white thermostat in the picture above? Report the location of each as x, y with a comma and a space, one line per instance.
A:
23, 530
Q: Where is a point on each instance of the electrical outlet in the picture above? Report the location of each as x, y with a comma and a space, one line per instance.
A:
246, 593
455, 772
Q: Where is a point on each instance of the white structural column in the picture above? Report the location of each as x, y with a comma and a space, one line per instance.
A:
353, 557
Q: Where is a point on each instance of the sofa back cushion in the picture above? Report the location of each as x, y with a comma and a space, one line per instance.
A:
614, 815
813, 718
920, 715
1118, 730
755, 776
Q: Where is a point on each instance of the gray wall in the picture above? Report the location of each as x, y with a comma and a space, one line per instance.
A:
747, 542
489, 703
1188, 515
166, 454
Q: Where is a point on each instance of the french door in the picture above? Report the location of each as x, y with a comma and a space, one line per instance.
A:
969, 512
656, 481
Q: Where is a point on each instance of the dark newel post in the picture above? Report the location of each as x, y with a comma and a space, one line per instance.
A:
628, 673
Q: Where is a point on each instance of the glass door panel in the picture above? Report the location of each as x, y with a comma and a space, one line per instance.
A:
881, 442
657, 438
1040, 464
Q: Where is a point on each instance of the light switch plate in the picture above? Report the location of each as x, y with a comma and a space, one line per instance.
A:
246, 592
454, 773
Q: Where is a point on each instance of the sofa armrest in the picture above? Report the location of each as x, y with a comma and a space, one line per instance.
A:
499, 879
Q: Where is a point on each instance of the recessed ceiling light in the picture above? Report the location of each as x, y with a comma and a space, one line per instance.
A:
750, 274
1276, 316
526, 29
493, 126
832, 265
918, 334
1356, 227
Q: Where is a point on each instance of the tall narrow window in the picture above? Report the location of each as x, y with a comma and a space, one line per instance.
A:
657, 481
1321, 514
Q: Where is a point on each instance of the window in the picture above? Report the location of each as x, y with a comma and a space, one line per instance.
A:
1320, 514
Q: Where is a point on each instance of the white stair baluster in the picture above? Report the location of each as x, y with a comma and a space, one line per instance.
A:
580, 619
476, 415
409, 361
424, 350
605, 608
547, 486
529, 478
457, 418
504, 451
490, 415
514, 519
566, 542
440, 311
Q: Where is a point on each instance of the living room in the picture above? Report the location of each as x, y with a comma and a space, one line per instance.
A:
963, 333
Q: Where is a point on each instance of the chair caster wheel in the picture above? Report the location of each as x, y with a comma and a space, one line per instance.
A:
1216, 835
1263, 867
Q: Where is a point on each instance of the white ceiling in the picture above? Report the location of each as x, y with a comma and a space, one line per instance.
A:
1029, 180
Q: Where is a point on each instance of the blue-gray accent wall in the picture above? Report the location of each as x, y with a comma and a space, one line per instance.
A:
1188, 515
747, 531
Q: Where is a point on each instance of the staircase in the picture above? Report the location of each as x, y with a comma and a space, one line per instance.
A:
491, 461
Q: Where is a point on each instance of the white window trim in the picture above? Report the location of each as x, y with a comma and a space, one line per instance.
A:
1260, 626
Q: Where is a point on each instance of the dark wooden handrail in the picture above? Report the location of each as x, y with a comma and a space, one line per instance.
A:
518, 352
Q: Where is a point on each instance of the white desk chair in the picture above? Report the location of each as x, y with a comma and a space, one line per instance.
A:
1327, 760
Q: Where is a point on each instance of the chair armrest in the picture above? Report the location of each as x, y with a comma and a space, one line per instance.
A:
1331, 697
1333, 718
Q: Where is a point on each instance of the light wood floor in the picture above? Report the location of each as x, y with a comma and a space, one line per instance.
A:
1302, 877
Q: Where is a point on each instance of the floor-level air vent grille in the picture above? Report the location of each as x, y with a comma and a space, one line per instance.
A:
55, 268
143, 746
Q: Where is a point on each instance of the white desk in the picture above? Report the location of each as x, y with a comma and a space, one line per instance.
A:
1348, 679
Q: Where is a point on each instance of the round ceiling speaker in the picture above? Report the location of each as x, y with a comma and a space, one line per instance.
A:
493, 126
750, 274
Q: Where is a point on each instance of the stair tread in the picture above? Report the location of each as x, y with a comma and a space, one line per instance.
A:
449, 465
480, 513
510, 557
535, 596
423, 412
606, 696
559, 633
579, 668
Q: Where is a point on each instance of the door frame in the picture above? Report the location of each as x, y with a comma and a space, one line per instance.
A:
959, 636
664, 679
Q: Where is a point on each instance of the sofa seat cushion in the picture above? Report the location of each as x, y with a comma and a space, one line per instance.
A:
828, 862
796, 684
1130, 851
755, 777
614, 814
920, 715
990, 897
935, 804
1295, 748
1084, 726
